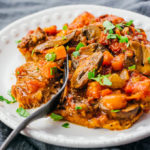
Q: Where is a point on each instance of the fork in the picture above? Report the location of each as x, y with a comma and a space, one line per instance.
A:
40, 113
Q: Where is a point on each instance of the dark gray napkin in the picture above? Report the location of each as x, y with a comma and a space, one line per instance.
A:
10, 10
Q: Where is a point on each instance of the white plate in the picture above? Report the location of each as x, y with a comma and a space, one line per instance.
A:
47, 130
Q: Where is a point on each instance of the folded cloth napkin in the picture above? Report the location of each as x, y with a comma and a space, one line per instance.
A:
11, 10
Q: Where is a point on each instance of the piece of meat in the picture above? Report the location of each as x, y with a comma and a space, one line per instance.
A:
80, 76
92, 32
142, 55
30, 40
127, 113
60, 40
85, 52
32, 88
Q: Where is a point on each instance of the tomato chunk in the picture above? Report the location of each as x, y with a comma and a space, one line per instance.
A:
117, 62
82, 20
107, 58
47, 69
52, 30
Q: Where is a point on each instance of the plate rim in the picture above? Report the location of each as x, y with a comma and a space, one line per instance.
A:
66, 143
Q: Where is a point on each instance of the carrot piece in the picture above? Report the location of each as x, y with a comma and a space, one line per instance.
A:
107, 58
52, 30
47, 69
106, 92
117, 62
59, 51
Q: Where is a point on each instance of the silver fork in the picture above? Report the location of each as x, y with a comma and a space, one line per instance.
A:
40, 113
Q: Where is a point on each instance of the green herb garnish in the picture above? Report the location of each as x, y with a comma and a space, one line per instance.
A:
129, 23
138, 30
18, 72
78, 108
108, 25
37, 68
56, 117
103, 79
91, 74
67, 47
111, 36
65, 125
106, 81
22, 112
133, 67
119, 26
64, 37
115, 110
79, 46
32, 52
13, 98
19, 41
123, 39
111, 31
76, 54
53, 70
50, 56
2, 99
148, 60
65, 27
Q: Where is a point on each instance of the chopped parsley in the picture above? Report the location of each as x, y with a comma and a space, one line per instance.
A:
56, 117
138, 30
123, 39
13, 98
37, 68
18, 72
50, 56
67, 47
32, 52
129, 23
78, 108
64, 37
111, 31
76, 54
111, 36
133, 67
148, 60
19, 41
128, 44
106, 81
22, 112
119, 26
115, 110
65, 125
91, 74
2, 99
123, 51
102, 79
108, 25
65, 27
53, 70
79, 46
105, 31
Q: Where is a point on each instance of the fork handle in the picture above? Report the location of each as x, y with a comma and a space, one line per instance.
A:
16, 131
